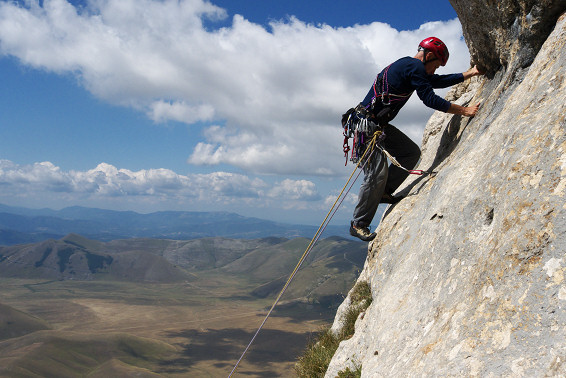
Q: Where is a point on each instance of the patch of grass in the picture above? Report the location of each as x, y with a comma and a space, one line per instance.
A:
349, 322
348, 373
316, 358
317, 355
361, 292
360, 299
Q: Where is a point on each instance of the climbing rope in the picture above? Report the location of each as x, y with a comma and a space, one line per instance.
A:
321, 228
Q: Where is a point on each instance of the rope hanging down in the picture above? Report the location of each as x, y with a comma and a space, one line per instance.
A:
315, 238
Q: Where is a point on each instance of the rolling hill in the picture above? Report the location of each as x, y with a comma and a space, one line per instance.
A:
261, 262
15, 323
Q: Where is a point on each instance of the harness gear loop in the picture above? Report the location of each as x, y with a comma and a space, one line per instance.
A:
321, 228
360, 124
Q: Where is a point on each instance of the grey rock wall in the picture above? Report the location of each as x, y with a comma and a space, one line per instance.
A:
467, 272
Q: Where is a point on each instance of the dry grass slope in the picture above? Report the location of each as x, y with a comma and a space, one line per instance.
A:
64, 354
15, 323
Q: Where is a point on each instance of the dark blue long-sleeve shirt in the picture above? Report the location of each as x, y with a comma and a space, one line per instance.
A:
402, 78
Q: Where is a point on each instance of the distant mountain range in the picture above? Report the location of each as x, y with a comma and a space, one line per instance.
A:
22, 225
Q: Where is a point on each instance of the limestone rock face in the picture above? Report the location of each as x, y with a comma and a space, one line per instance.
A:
506, 32
467, 272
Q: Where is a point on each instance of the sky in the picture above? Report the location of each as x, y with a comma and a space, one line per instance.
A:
192, 105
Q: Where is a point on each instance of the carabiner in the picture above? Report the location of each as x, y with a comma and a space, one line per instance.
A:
383, 99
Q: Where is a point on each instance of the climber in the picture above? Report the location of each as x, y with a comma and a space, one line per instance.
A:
390, 91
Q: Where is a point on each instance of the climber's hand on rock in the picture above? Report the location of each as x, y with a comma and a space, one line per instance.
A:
474, 71
471, 111
468, 111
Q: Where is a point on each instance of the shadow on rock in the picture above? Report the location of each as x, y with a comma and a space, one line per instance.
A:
448, 142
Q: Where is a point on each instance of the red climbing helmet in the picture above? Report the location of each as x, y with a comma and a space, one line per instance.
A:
437, 47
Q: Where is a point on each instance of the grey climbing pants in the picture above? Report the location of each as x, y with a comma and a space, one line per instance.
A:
379, 178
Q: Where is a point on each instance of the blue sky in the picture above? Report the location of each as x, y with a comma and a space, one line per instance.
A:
229, 105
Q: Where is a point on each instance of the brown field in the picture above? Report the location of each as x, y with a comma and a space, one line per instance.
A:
191, 329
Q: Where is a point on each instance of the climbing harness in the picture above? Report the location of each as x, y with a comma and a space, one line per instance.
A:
360, 122
343, 193
383, 94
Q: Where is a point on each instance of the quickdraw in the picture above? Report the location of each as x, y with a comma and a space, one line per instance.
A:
346, 149
394, 161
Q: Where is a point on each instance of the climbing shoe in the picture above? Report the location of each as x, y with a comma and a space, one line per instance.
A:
388, 198
362, 233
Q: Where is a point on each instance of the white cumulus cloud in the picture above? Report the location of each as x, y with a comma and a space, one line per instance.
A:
272, 95
107, 182
295, 189
162, 111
